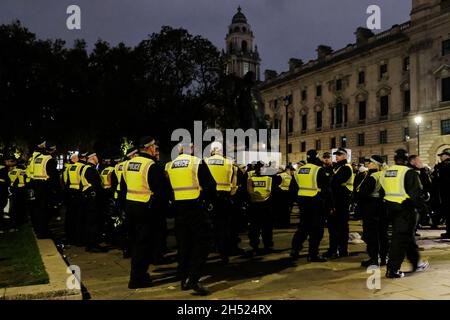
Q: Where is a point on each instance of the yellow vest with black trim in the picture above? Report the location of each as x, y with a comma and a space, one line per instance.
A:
40, 167
84, 182
105, 176
30, 166
393, 183
74, 175
17, 177
251, 173
285, 181
259, 188
135, 175
234, 184
118, 169
222, 171
183, 176
306, 178
349, 183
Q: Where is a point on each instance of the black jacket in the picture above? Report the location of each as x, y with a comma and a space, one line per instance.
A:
339, 192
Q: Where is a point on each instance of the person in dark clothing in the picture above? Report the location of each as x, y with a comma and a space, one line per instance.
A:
91, 205
441, 178
373, 210
194, 192
17, 177
341, 187
4, 184
403, 192
260, 187
415, 163
327, 165
47, 189
144, 200
309, 188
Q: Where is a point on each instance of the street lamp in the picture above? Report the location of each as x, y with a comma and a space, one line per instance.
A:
418, 121
287, 102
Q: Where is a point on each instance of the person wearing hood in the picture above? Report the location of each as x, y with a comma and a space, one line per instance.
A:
375, 222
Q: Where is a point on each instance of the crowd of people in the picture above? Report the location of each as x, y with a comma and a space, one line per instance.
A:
125, 201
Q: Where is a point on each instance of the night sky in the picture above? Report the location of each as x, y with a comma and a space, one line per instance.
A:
282, 28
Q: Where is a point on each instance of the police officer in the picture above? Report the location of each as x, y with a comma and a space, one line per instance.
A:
91, 188
109, 186
143, 184
341, 188
441, 177
402, 190
308, 186
17, 177
4, 184
222, 171
282, 199
260, 187
373, 210
46, 185
72, 188
194, 190
415, 163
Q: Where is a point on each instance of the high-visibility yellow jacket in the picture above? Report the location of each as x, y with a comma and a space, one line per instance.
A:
222, 171
306, 178
118, 170
17, 177
349, 183
74, 175
285, 181
183, 176
393, 183
135, 175
40, 167
259, 188
234, 181
30, 166
105, 176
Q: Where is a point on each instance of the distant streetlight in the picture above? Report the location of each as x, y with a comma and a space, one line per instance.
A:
418, 121
287, 102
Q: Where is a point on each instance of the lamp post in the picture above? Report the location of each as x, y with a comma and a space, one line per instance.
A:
287, 102
418, 121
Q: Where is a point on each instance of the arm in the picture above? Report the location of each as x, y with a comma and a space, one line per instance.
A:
207, 182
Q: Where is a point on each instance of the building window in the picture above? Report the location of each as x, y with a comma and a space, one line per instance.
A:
384, 107
318, 145
361, 77
290, 148
318, 91
290, 125
361, 139
345, 113
383, 137
319, 120
446, 47
446, 89
246, 67
445, 5
303, 146
338, 84
304, 122
445, 127
339, 113
275, 124
362, 110
407, 101
332, 117
406, 134
344, 142
304, 95
333, 143
406, 64
383, 70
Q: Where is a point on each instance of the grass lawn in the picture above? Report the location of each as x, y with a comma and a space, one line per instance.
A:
20, 261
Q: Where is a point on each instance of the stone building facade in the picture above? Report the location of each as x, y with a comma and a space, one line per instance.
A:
366, 96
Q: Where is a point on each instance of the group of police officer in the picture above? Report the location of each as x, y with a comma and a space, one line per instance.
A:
208, 197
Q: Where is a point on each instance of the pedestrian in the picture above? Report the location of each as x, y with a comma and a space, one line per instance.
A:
194, 191
308, 187
402, 190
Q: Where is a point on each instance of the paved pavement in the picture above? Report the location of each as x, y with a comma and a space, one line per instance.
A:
274, 276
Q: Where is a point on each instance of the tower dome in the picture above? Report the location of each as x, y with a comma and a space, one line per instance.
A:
239, 17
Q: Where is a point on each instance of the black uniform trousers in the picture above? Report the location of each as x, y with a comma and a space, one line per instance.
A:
42, 211
193, 232
71, 219
338, 225
222, 224
403, 242
18, 206
142, 235
91, 217
375, 227
261, 224
312, 217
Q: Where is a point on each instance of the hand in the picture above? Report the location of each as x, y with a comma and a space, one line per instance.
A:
332, 211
